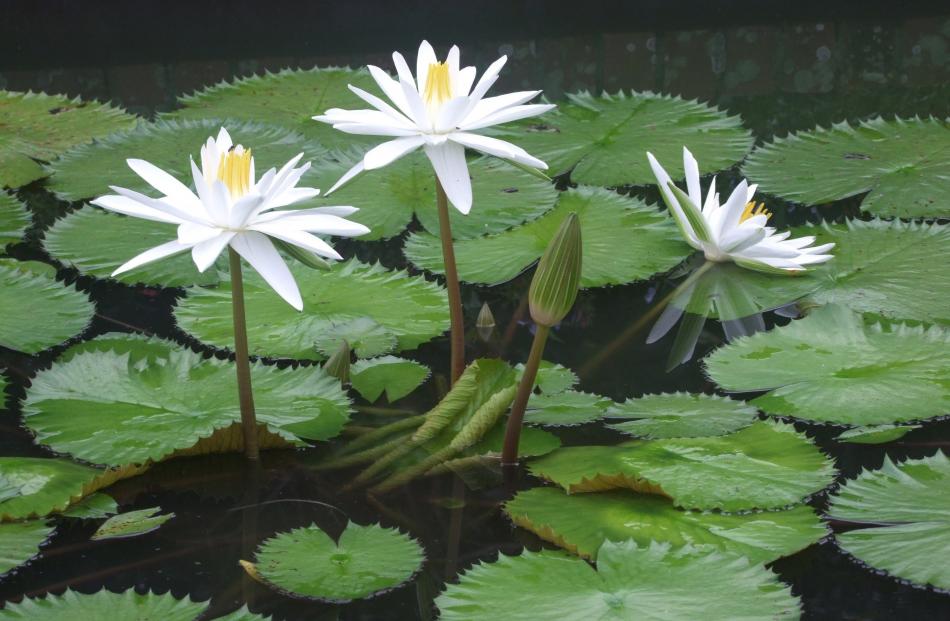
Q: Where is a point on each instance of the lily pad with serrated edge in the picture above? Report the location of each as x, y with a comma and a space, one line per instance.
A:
134, 400
904, 510
767, 465
365, 561
38, 312
94, 507
413, 309
551, 377
365, 337
604, 140
875, 434
242, 614
20, 542
832, 367
654, 581
14, 219
288, 98
624, 240
581, 523
131, 524
397, 377
900, 166
680, 415
38, 127
388, 197
566, 408
125, 606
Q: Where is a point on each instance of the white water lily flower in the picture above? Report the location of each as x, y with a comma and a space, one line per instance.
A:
438, 110
735, 231
232, 208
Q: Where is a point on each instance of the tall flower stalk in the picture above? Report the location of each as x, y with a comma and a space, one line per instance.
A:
231, 208
440, 111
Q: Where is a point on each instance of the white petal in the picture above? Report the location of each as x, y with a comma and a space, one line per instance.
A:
299, 238
382, 106
131, 207
205, 253
450, 115
691, 168
383, 154
190, 233
370, 129
224, 142
662, 181
734, 208
491, 105
462, 85
402, 69
152, 254
219, 205
332, 210
263, 257
163, 205
488, 78
498, 148
417, 107
322, 224
507, 115
243, 208
357, 169
424, 58
390, 87
448, 160
162, 181
292, 196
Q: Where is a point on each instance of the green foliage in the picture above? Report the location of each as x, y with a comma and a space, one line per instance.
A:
556, 278
396, 376
20, 542
102, 605
569, 407
680, 415
131, 523
364, 336
875, 434
94, 507
14, 219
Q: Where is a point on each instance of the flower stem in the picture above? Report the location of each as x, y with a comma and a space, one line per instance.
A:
451, 284
241, 360
509, 452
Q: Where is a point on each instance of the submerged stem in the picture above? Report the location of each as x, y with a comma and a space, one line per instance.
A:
509, 453
451, 283
241, 360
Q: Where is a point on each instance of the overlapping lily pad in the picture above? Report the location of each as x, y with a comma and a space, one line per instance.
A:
366, 560
900, 164
388, 197
288, 98
125, 606
680, 415
131, 523
94, 507
832, 367
397, 377
905, 508
581, 523
37, 127
88, 170
14, 218
603, 140
20, 542
365, 337
565, 408
631, 582
38, 312
410, 307
135, 400
764, 466
875, 434
624, 240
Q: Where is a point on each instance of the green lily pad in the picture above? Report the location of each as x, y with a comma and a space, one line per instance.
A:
242, 614
94, 507
20, 542
906, 509
36, 486
131, 523
581, 523
125, 606
631, 582
892, 269
875, 434
831, 367
624, 240
765, 466
365, 337
565, 408
135, 400
900, 164
396, 376
37, 126
38, 312
551, 377
289, 98
603, 140
681, 415
88, 170
532, 443
410, 307
14, 219
365, 561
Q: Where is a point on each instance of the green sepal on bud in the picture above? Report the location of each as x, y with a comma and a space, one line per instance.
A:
338, 365
557, 277
304, 256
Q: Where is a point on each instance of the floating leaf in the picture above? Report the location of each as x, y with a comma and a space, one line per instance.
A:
14, 219
533, 442
603, 140
125, 606
388, 197
892, 269
366, 560
364, 336
624, 240
134, 400
288, 98
412, 308
37, 126
396, 376
131, 523
653, 582
681, 415
242, 614
551, 377
94, 507
900, 164
581, 523
875, 434
565, 408
832, 367
37, 312
906, 508
20, 542
88, 170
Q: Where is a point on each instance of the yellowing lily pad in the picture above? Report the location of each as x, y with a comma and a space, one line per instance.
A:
132, 523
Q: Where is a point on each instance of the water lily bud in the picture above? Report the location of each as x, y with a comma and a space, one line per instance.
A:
485, 323
556, 279
338, 365
304, 256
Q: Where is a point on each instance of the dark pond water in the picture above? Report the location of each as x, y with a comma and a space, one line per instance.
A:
781, 68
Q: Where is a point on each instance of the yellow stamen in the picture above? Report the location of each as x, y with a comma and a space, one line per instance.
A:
438, 88
234, 170
751, 209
